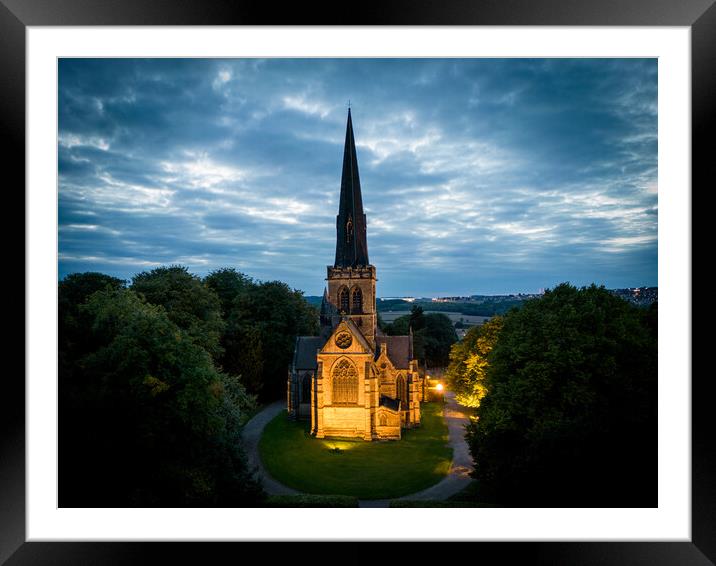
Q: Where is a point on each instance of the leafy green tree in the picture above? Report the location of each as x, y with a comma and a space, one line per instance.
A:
467, 372
399, 327
433, 334
189, 303
273, 314
74, 291
243, 351
154, 423
417, 318
569, 418
438, 335
228, 283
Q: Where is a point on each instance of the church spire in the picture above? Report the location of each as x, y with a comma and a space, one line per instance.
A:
351, 244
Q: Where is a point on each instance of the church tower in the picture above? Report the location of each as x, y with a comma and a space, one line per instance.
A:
351, 279
353, 381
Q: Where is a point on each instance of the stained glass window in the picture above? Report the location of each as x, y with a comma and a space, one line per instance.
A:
345, 383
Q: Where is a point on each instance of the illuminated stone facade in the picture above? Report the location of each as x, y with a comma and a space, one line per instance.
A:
352, 380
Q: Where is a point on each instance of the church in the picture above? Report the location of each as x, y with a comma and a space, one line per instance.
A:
353, 380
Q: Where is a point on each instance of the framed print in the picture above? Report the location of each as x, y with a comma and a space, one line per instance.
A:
38, 39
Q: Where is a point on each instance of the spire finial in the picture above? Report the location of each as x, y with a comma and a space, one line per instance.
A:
351, 245
349, 105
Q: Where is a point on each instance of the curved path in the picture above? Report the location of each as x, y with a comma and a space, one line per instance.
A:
251, 436
457, 479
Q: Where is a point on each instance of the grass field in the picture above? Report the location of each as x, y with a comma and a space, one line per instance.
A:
468, 319
367, 470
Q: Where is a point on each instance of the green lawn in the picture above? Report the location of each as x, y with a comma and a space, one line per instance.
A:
367, 470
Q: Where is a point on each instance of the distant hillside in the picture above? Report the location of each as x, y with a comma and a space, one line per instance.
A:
313, 300
490, 305
491, 308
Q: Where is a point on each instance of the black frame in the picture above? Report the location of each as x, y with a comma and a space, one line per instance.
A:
15, 15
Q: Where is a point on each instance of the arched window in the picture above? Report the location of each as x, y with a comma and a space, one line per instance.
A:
401, 392
343, 300
383, 420
345, 383
306, 388
357, 300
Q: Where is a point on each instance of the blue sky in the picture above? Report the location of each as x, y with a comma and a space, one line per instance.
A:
478, 175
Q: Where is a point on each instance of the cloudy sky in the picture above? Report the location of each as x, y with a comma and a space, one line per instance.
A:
478, 175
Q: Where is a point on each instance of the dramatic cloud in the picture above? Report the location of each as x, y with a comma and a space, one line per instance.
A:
478, 176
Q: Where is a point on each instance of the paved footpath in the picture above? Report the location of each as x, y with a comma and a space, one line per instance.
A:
457, 479
251, 435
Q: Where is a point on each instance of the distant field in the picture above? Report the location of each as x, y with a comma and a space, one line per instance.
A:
487, 308
471, 320
471, 312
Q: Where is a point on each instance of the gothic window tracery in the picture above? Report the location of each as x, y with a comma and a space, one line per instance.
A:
345, 383
357, 300
401, 391
343, 300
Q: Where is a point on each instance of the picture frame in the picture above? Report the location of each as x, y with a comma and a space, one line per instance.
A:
700, 15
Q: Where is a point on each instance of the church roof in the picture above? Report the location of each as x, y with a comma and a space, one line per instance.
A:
305, 356
399, 349
351, 243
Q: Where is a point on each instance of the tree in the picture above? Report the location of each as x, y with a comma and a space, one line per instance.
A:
243, 351
188, 301
433, 334
399, 327
467, 372
569, 418
154, 423
228, 283
73, 342
417, 318
437, 335
273, 314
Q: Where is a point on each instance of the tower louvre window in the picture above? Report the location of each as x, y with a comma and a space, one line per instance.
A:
345, 383
357, 300
343, 300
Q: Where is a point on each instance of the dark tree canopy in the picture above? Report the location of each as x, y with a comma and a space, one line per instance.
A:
433, 335
438, 335
156, 382
190, 304
145, 418
271, 315
570, 415
228, 283
73, 291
